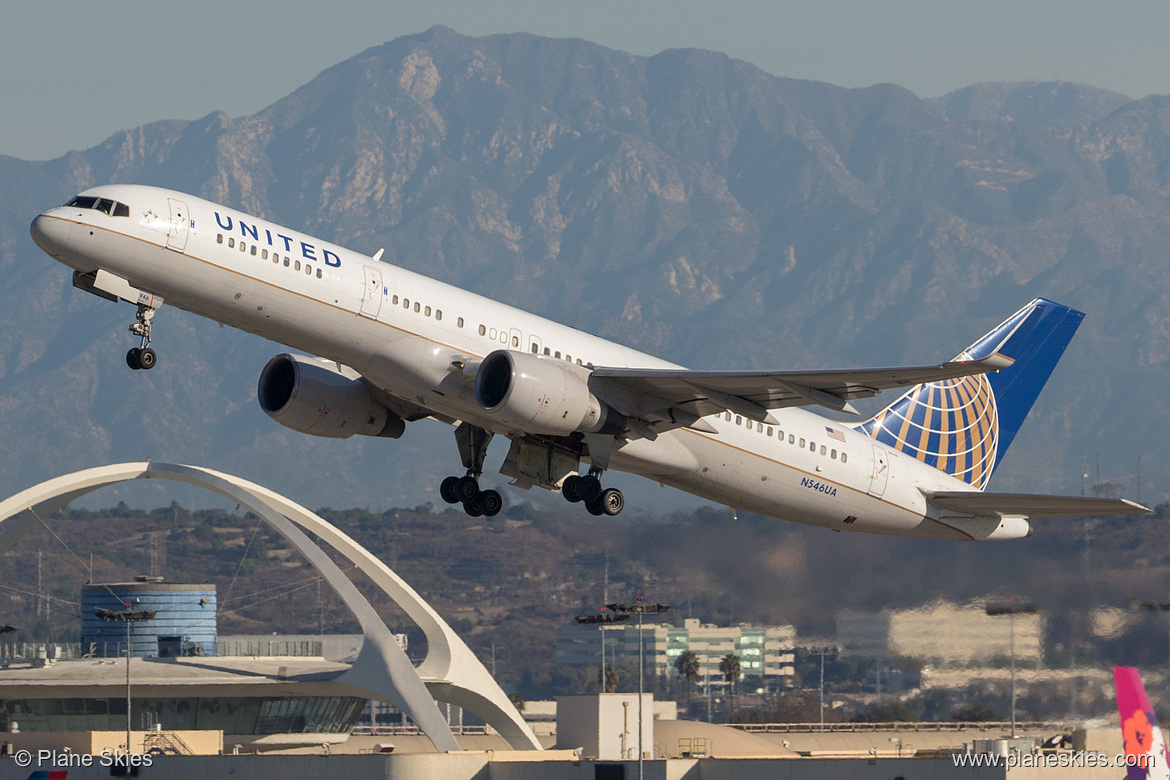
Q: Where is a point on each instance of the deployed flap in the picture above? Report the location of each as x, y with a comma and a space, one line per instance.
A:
752, 393
1030, 505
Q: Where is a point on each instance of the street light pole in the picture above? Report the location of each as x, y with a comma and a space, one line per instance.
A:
603, 618
1011, 608
640, 609
126, 616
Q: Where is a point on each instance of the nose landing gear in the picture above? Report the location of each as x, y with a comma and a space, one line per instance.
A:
142, 356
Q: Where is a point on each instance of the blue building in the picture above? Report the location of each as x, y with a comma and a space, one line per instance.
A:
184, 623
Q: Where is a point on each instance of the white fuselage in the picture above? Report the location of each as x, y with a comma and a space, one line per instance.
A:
402, 331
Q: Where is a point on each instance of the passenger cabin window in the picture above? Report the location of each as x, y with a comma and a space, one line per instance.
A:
438, 314
535, 349
219, 238
516, 341
844, 457
231, 242
483, 330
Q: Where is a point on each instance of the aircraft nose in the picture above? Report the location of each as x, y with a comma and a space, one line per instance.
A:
49, 233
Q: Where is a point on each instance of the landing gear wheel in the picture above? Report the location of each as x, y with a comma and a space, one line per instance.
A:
473, 507
468, 489
571, 488
589, 488
612, 501
449, 490
132, 358
595, 508
491, 503
147, 359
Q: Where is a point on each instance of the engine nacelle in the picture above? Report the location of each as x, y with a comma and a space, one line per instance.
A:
535, 395
314, 396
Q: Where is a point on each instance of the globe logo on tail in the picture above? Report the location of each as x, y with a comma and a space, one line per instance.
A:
952, 425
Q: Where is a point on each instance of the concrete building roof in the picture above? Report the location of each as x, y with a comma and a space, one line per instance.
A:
232, 676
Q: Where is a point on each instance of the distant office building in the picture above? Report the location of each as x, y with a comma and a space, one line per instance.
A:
766, 651
183, 621
942, 634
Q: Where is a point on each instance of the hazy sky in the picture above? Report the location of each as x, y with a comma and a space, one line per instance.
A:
73, 73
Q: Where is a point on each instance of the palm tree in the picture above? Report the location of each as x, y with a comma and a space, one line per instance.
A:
688, 666
730, 668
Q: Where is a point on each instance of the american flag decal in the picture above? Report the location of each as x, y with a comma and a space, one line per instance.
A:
833, 433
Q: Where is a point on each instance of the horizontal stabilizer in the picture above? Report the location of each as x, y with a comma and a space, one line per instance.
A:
1030, 505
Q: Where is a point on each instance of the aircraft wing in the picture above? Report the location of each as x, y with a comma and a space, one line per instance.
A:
753, 393
1030, 505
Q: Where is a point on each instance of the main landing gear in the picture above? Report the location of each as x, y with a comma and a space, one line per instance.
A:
472, 443
142, 356
598, 501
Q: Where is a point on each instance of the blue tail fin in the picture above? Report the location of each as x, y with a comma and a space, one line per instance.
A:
964, 426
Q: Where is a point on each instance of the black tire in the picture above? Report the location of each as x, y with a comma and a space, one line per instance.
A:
473, 507
595, 508
571, 488
612, 501
491, 503
468, 489
589, 488
449, 490
132, 358
147, 359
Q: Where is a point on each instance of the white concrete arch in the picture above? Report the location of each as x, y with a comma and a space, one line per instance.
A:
449, 673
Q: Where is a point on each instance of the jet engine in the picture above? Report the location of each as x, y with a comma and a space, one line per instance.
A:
543, 396
321, 398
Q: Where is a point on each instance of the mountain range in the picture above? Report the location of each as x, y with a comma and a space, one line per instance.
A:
687, 204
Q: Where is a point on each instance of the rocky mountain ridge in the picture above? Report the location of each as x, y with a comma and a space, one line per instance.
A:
688, 204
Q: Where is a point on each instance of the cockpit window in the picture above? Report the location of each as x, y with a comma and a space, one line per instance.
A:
104, 205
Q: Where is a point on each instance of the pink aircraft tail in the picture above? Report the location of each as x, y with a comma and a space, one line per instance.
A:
1145, 747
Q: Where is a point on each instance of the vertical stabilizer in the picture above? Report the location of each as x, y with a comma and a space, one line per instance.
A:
1145, 746
964, 426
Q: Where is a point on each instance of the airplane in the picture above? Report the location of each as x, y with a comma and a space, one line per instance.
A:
1145, 747
387, 346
